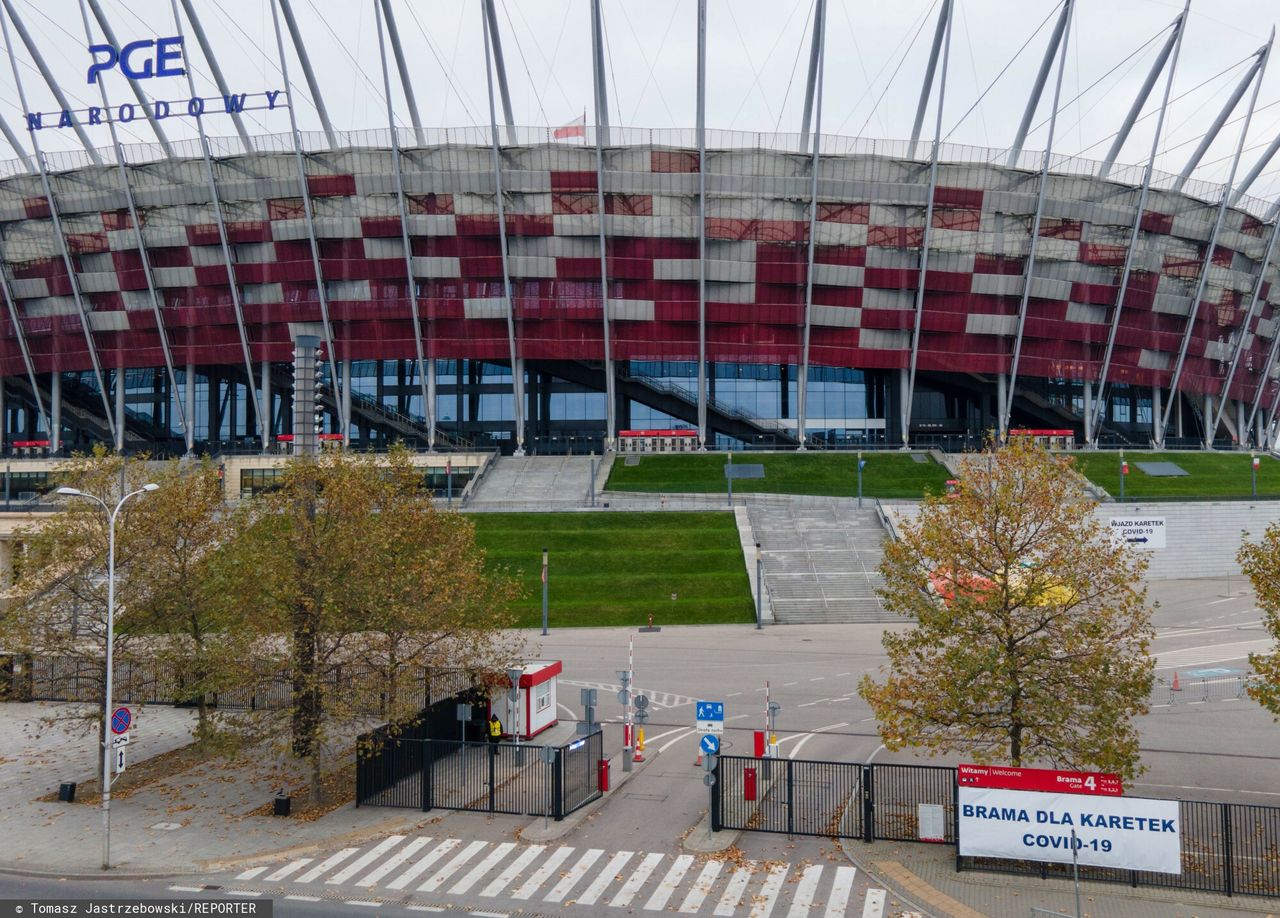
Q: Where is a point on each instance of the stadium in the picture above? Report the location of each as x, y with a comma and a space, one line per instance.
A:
546, 289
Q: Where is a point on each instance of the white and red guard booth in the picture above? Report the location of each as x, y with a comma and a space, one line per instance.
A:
534, 709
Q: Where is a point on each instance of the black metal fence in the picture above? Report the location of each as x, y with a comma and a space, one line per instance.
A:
1229, 848
519, 779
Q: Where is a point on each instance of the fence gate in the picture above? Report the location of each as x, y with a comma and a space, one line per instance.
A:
511, 778
797, 797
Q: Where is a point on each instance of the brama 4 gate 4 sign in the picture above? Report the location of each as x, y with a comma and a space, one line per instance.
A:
1130, 833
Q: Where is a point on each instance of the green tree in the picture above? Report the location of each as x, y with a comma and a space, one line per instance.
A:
346, 562
1032, 624
1260, 562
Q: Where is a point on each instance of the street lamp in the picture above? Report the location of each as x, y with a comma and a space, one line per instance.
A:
111, 613
759, 587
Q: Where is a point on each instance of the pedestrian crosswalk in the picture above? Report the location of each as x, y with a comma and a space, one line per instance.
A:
579, 879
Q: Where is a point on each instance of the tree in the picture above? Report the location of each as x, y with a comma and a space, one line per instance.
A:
1032, 624
346, 561
1260, 562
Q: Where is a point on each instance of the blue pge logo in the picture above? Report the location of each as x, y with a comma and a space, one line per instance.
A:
166, 60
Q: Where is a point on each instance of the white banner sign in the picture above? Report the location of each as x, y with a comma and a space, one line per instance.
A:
1122, 832
1138, 531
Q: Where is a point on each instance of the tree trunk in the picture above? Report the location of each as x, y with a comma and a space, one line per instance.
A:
317, 793
306, 688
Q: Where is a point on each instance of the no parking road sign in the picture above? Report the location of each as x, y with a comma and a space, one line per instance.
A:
121, 718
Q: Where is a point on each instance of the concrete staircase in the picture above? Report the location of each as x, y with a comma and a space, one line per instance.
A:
821, 560
534, 483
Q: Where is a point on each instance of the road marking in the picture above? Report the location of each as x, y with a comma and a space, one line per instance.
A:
817, 678
670, 743
363, 903
420, 868
513, 870
1211, 653
635, 881
392, 862
326, 865
701, 887
491, 914
479, 870
733, 891
252, 872
453, 866
364, 860
1223, 790
186, 888
808, 888
841, 886
243, 892
540, 876
838, 675
874, 907
786, 684
288, 869
607, 876
313, 899
669, 883
805, 737
412, 908
575, 873
764, 902
1218, 602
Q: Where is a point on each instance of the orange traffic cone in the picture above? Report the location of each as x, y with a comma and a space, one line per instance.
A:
698, 761
1177, 686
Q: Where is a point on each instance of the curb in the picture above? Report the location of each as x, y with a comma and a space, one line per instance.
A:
703, 841
356, 836
49, 873
875, 873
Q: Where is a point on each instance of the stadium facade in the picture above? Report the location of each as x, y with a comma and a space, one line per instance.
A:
507, 287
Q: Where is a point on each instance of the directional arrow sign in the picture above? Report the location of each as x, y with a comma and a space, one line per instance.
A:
1146, 531
710, 743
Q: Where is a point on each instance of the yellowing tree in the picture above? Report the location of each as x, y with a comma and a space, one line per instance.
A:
1034, 647
1261, 564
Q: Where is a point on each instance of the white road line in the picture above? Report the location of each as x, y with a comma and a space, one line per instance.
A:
421, 867
733, 891
391, 863
416, 908
575, 873
1211, 653
364, 860
186, 888
805, 737
788, 684
764, 902
817, 678
874, 906
670, 743
841, 886
491, 915
363, 903
243, 892
573, 715
475, 873
326, 865
1223, 790
701, 887
802, 901
1218, 602
512, 870
838, 675
312, 899
540, 876
252, 872
606, 876
733, 694
658, 900
288, 869
635, 881
454, 865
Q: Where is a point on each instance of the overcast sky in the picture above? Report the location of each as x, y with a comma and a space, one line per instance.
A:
757, 52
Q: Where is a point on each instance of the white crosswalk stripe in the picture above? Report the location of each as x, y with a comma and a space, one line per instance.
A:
479, 870
701, 888
838, 901
606, 876
512, 871
802, 899
364, 860
873, 906
449, 869
424, 865
575, 873
669, 883
637, 881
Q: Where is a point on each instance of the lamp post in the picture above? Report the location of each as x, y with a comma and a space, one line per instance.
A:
1254, 460
1124, 473
111, 614
544, 591
861, 462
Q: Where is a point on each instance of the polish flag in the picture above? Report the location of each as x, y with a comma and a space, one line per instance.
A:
575, 128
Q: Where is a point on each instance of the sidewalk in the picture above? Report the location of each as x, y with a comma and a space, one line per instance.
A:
926, 876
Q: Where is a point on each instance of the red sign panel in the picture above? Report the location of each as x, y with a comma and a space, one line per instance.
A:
657, 433
1046, 780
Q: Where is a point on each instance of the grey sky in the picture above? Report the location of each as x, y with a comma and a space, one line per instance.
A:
756, 67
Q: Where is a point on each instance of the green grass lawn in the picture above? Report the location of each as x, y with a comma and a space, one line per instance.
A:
617, 568
887, 474
1211, 475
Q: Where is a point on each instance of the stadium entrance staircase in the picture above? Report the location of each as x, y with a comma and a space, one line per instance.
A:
523, 483
821, 560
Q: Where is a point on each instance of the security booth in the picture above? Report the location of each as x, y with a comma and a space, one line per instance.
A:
657, 441
533, 707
